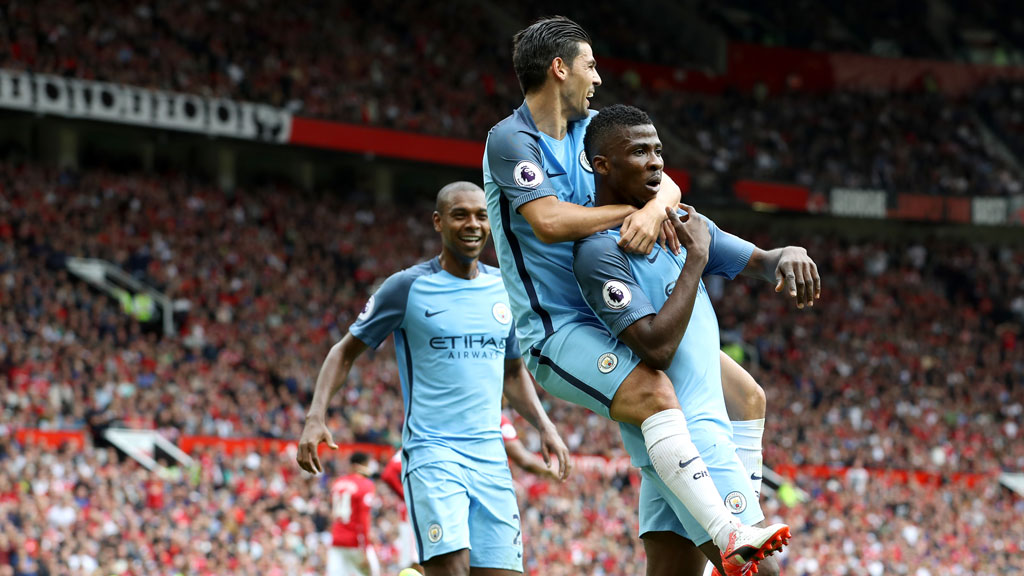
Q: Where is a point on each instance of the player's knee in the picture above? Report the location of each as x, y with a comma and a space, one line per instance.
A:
755, 403
645, 392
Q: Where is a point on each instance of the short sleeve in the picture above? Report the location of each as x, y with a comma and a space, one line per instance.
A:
607, 283
728, 254
512, 350
384, 311
515, 163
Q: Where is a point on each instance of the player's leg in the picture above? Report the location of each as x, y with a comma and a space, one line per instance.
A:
495, 530
335, 562
732, 488
669, 554
450, 564
669, 551
745, 402
585, 365
438, 500
647, 399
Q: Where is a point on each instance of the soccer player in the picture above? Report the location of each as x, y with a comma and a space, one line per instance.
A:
540, 196
351, 552
455, 342
658, 306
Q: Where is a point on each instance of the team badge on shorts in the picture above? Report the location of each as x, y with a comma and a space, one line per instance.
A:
736, 502
527, 174
501, 312
434, 533
584, 162
616, 295
607, 362
367, 310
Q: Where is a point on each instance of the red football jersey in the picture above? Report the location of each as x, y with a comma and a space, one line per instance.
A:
392, 474
351, 498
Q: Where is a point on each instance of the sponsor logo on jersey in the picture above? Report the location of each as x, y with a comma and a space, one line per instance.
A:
607, 362
434, 533
367, 310
527, 174
469, 346
616, 295
736, 502
501, 312
670, 287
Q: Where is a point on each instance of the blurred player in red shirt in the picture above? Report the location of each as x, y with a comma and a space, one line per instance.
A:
352, 552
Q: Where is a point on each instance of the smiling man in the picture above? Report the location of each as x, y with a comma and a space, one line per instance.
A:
658, 307
457, 353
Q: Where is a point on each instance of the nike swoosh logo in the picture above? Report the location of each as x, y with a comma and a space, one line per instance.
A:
688, 462
428, 313
656, 252
755, 477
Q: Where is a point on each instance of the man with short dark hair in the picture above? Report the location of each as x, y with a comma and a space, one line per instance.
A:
657, 305
540, 197
457, 353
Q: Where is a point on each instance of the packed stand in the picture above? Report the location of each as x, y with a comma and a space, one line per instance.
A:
901, 143
978, 33
444, 69
915, 362
423, 68
81, 512
274, 277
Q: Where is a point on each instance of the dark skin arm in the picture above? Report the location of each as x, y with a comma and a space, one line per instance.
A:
528, 460
791, 269
333, 374
656, 337
522, 397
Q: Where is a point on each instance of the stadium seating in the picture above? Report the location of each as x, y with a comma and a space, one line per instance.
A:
910, 361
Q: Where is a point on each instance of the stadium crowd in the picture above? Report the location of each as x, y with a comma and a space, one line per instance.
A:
911, 360
453, 63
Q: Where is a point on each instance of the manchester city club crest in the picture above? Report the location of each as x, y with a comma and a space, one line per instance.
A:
434, 533
607, 362
584, 162
736, 502
501, 312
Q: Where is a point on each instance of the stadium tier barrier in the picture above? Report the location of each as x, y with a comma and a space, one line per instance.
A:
610, 467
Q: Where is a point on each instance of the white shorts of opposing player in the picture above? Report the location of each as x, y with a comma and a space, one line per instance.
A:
406, 545
350, 562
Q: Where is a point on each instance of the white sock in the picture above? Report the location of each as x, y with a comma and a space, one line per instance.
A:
748, 434
670, 447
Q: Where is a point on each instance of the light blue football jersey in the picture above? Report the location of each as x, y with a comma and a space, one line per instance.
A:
623, 288
452, 337
522, 164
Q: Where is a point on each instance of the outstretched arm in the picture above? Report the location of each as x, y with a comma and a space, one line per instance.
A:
333, 374
791, 269
522, 396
